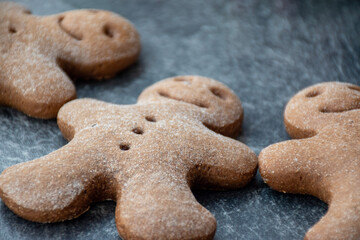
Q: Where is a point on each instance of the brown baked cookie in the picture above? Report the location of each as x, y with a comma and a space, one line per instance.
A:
326, 163
38, 53
147, 157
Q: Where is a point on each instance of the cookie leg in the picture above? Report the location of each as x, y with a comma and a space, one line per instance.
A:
340, 222
228, 163
35, 85
53, 188
160, 205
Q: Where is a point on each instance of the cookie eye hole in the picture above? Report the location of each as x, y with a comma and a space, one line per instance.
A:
218, 93
108, 31
150, 119
12, 30
201, 105
313, 93
124, 146
183, 80
138, 131
163, 94
27, 12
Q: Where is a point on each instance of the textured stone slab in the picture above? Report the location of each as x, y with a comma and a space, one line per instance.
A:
266, 51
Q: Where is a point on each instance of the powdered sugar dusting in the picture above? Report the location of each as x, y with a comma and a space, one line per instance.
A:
35, 53
145, 156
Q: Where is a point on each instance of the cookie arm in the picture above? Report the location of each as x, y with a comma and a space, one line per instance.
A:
53, 188
160, 205
292, 166
81, 113
35, 85
227, 163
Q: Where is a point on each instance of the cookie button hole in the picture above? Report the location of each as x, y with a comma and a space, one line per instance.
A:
313, 93
12, 30
138, 131
150, 119
324, 110
108, 31
218, 93
124, 146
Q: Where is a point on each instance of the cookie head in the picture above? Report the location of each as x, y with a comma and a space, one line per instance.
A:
11, 8
102, 42
221, 109
320, 105
10, 26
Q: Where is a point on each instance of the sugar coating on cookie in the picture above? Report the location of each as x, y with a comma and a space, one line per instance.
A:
147, 157
325, 160
37, 54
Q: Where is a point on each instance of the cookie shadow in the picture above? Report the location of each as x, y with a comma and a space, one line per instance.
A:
258, 212
97, 223
122, 88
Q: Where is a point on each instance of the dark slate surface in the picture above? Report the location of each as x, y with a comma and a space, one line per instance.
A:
265, 51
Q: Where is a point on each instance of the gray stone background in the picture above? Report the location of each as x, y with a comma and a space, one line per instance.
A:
265, 51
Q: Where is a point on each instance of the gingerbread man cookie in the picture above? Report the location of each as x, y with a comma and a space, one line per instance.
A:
146, 157
38, 53
326, 162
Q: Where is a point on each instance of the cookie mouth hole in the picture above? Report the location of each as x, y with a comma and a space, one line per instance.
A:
326, 110
218, 93
313, 93
138, 131
355, 88
150, 118
166, 95
75, 36
109, 32
124, 147
12, 30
